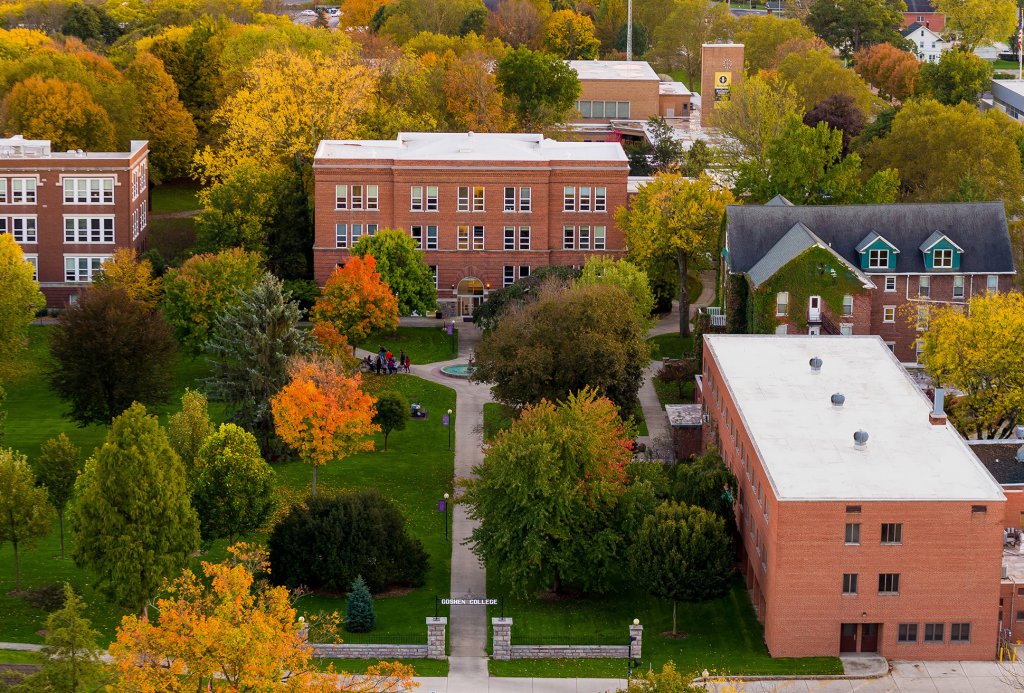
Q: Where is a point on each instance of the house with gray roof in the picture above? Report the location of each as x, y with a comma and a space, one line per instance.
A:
860, 269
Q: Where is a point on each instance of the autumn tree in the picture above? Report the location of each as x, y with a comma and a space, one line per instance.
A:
840, 113
473, 101
189, 428
849, 27
228, 628
132, 275
19, 300
132, 521
978, 22
60, 111
518, 22
400, 263
682, 554
977, 352
551, 494
323, 413
108, 352
894, 72
570, 35
957, 77
816, 75
541, 89
202, 288
679, 36
625, 275
673, 216
524, 290
250, 347
762, 35
754, 117
57, 468
25, 512
565, 340
356, 301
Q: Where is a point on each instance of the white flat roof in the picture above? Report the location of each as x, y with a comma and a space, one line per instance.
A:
806, 444
613, 69
470, 146
17, 147
672, 89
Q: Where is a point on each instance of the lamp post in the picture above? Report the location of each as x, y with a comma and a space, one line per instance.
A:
446, 497
704, 676
451, 331
449, 429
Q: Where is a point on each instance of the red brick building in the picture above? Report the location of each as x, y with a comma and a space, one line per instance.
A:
486, 209
923, 12
70, 210
888, 542
860, 269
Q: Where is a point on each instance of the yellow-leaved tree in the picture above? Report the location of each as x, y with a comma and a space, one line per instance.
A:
125, 271
20, 297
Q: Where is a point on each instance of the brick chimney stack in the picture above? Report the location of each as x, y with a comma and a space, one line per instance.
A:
937, 416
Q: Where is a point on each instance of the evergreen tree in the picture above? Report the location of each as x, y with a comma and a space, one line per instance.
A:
25, 514
359, 616
57, 468
188, 429
251, 344
392, 413
132, 521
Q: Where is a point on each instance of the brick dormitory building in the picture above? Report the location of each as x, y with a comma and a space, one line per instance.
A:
486, 209
70, 210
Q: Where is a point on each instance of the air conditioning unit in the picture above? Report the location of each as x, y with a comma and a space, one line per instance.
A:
1006, 572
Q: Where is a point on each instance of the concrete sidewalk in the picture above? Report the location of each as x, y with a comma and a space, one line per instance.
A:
520, 685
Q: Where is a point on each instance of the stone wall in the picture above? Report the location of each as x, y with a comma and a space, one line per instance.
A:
569, 651
369, 651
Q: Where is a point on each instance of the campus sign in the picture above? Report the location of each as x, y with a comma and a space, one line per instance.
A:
469, 601
723, 84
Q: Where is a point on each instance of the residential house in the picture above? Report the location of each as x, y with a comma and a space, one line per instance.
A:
923, 12
928, 44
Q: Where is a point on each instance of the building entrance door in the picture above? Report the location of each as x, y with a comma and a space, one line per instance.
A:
471, 294
869, 637
848, 637
814, 309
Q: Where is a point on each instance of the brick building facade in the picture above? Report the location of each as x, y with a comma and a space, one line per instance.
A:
721, 69
861, 269
487, 209
893, 546
69, 211
923, 12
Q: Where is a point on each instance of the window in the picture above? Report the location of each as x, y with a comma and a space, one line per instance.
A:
417, 235
510, 199
603, 109
992, 283
478, 198
933, 632
846, 329
890, 283
924, 286
433, 271
907, 632
568, 198
524, 271
568, 237
463, 237
371, 229
432, 237
356, 201
888, 583
341, 197
853, 508
584, 108
782, 329
888, 313
942, 258
849, 583
892, 533
958, 286
847, 305
84, 191
878, 259
508, 276
24, 229
922, 318
585, 199
600, 199
478, 238
979, 509
34, 261
431, 198
584, 238
341, 235
599, 233
510, 238
82, 269
852, 532
782, 303
463, 199
357, 232
524, 199
3, 190
959, 632
416, 198
23, 190
524, 237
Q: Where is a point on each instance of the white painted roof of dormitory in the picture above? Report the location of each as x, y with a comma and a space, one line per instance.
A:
613, 69
17, 147
470, 146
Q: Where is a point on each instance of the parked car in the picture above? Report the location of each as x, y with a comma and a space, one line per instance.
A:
308, 13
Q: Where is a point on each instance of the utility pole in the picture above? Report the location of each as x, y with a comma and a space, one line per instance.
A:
629, 30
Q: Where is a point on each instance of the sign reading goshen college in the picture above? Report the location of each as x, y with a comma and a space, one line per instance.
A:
470, 601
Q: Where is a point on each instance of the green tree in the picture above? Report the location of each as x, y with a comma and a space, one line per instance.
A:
521, 291
25, 512
763, 35
132, 521
108, 352
571, 35
682, 554
401, 266
233, 493
977, 22
673, 216
542, 88
816, 75
82, 21
250, 346
958, 76
392, 413
359, 617
850, 26
19, 300
625, 275
60, 111
202, 288
705, 481
566, 340
664, 152
681, 33
57, 468
189, 428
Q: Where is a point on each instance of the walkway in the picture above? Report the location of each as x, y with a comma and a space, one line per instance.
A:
669, 323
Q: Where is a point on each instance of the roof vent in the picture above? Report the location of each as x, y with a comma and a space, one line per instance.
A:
937, 416
815, 364
860, 440
838, 399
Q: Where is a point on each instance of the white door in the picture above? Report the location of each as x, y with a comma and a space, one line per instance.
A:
814, 309
670, 113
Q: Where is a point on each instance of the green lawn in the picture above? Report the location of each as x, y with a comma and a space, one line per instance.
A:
1005, 65
423, 667
20, 657
174, 196
421, 344
668, 393
722, 635
172, 237
496, 418
670, 346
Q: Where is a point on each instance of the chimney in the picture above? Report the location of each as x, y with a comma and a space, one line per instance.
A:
937, 416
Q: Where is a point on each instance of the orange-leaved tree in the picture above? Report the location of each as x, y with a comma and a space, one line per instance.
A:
356, 302
235, 633
323, 413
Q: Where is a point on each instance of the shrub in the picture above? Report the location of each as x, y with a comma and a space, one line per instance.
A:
359, 616
328, 541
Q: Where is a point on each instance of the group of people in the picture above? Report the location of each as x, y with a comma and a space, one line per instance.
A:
384, 363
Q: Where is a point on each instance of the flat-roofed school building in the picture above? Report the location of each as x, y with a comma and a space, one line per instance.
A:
486, 209
891, 543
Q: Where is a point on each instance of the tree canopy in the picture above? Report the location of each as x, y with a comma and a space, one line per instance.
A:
625, 275
850, 26
20, 298
356, 301
894, 72
763, 35
978, 22
958, 76
25, 513
57, 468
541, 88
401, 266
571, 35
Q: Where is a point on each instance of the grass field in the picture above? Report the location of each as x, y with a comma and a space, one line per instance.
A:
174, 196
20, 657
496, 418
423, 667
172, 237
670, 346
422, 344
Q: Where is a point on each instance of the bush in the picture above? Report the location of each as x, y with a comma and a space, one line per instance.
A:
359, 616
327, 542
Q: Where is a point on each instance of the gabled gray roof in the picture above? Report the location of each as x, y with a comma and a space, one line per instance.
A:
794, 243
935, 238
779, 201
919, 6
977, 227
871, 238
